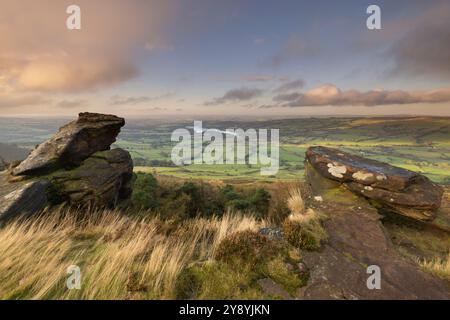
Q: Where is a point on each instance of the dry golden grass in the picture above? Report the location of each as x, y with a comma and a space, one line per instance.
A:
303, 227
296, 205
119, 257
439, 267
295, 202
307, 216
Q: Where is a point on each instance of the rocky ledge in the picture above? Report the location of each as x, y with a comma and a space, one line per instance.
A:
357, 239
387, 187
75, 167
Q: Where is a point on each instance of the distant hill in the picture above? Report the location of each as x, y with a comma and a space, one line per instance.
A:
10, 152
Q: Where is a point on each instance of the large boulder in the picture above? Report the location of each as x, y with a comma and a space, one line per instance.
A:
72, 144
103, 180
75, 167
395, 189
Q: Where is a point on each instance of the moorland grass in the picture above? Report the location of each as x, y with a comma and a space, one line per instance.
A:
119, 257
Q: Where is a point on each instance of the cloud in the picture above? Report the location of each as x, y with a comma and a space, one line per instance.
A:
38, 52
241, 94
267, 106
22, 101
425, 48
287, 97
71, 104
118, 100
60, 76
292, 85
157, 109
330, 95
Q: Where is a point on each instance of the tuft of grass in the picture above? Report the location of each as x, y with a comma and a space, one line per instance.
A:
295, 202
305, 231
437, 266
303, 227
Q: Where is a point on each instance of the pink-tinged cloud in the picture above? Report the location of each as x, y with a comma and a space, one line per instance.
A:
22, 101
38, 52
330, 95
79, 76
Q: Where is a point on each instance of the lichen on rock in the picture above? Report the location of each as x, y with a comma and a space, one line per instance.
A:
395, 189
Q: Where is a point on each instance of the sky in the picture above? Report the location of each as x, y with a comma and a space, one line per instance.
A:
233, 58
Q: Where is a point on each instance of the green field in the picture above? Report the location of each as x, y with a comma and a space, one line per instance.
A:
419, 144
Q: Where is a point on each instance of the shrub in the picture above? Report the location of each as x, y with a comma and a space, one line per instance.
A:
239, 205
260, 201
144, 191
192, 199
229, 193
196, 201
203, 200
175, 208
247, 248
257, 201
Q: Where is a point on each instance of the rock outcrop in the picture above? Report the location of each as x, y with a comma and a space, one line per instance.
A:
72, 144
395, 189
356, 240
75, 167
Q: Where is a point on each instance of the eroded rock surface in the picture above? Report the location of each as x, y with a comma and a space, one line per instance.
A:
357, 240
270, 287
72, 144
399, 190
